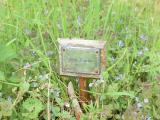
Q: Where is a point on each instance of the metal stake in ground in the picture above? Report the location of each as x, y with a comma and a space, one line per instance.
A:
83, 87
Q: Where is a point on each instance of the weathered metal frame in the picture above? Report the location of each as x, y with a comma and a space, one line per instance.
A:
92, 44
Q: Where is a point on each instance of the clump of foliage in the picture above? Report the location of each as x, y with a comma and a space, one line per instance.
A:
31, 108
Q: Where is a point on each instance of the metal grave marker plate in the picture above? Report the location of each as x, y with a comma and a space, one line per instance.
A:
80, 60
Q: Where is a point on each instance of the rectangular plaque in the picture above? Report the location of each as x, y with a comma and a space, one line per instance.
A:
83, 58
80, 60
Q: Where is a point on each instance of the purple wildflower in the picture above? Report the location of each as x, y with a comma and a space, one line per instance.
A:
27, 66
143, 37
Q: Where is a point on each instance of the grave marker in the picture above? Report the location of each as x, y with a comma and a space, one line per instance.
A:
82, 58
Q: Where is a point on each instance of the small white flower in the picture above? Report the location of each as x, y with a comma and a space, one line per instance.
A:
66, 104
33, 53
139, 105
146, 49
146, 100
135, 63
91, 84
95, 83
140, 53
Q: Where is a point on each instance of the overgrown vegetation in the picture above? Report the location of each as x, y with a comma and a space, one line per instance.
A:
30, 87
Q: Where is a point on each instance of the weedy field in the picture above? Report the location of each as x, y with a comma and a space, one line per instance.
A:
30, 86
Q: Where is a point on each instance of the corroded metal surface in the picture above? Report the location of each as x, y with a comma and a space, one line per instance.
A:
82, 93
80, 60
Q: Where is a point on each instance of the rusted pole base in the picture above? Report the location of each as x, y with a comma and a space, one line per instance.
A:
83, 87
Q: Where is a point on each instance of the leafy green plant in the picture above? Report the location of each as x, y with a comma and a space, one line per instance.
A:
31, 108
29, 52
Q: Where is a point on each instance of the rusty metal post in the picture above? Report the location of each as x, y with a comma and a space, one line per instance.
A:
103, 59
83, 86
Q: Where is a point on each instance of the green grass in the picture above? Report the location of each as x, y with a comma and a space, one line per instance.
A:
29, 30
